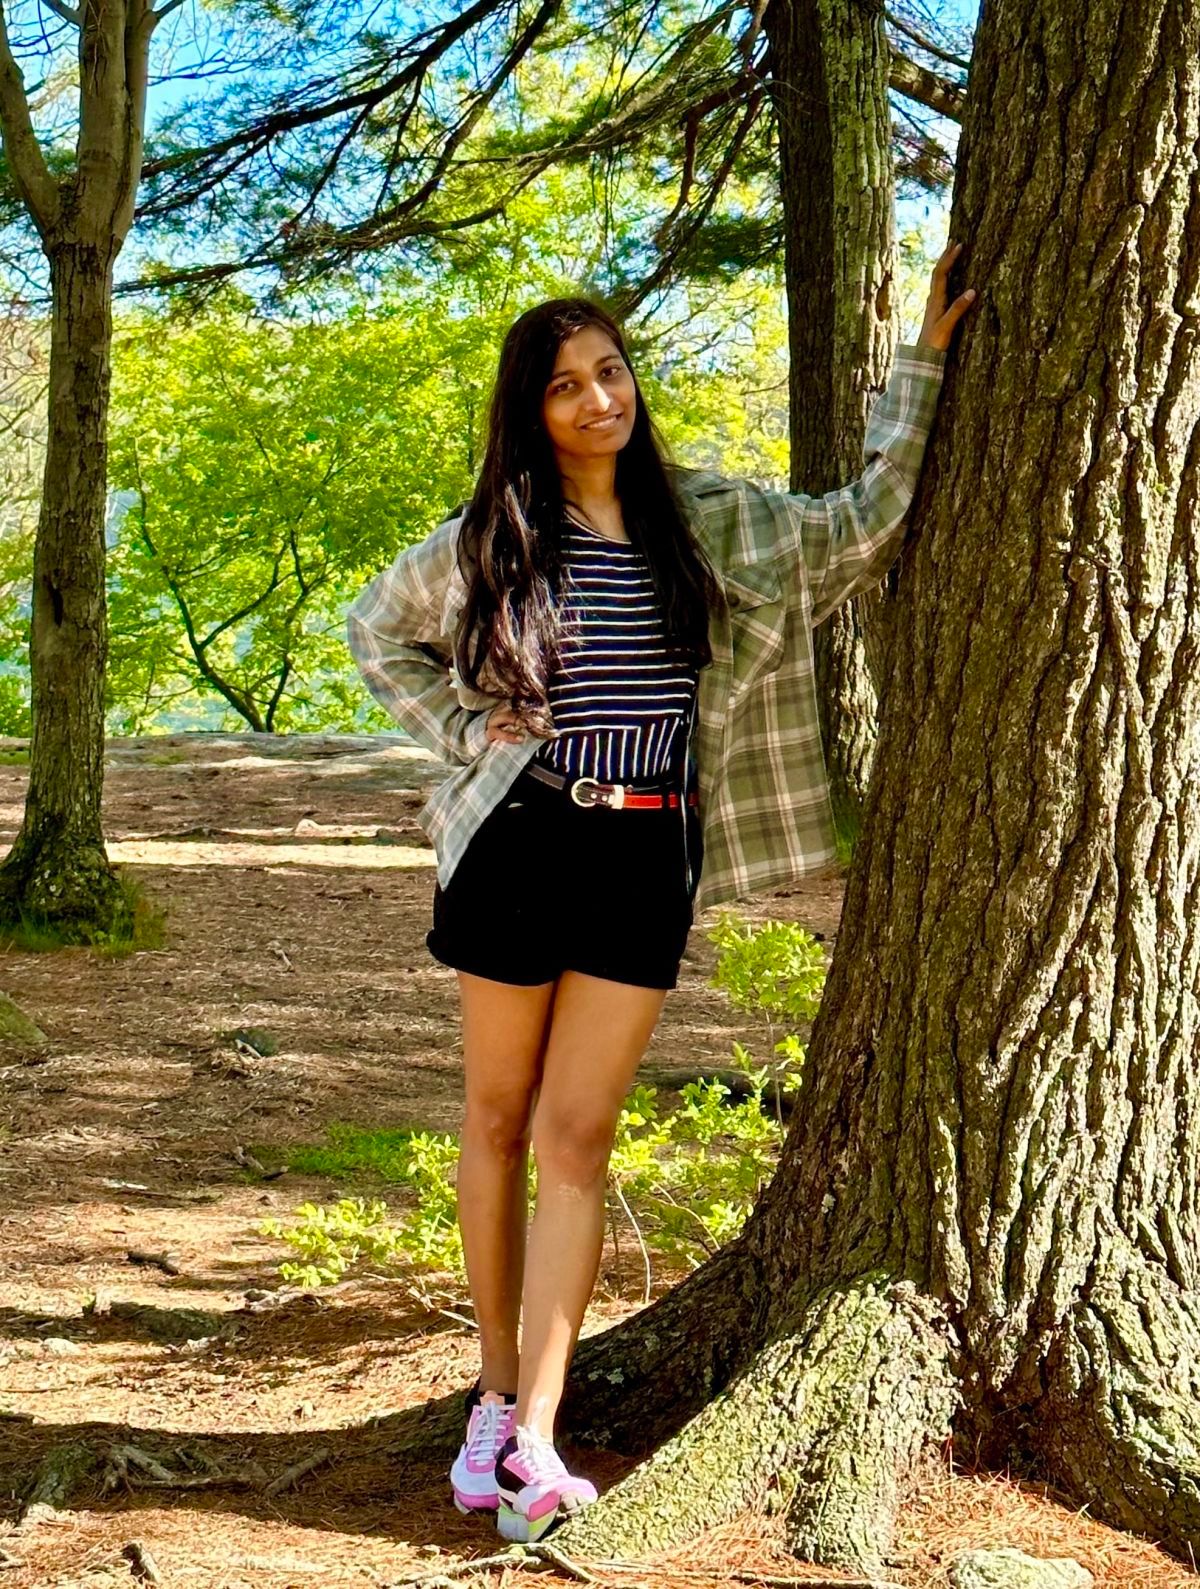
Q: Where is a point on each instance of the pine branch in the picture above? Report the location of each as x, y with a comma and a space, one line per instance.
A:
905, 27
917, 82
218, 161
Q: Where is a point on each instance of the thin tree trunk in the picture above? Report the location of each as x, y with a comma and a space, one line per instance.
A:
57, 869
992, 1178
57, 866
829, 75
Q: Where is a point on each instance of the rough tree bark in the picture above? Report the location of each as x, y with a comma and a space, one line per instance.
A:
986, 1214
829, 74
57, 869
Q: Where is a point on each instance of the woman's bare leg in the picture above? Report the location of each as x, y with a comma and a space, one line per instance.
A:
598, 1033
504, 1030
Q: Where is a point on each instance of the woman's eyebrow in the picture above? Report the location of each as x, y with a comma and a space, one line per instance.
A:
605, 358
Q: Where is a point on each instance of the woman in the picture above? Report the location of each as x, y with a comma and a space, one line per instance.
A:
618, 655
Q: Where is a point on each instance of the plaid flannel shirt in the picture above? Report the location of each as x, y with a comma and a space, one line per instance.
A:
784, 561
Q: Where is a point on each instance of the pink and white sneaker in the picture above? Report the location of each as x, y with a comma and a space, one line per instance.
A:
534, 1488
473, 1476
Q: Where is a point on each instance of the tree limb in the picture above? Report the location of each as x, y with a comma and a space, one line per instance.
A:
66, 12
545, 15
37, 187
277, 695
298, 111
664, 99
102, 150
241, 702
673, 249
917, 82
902, 26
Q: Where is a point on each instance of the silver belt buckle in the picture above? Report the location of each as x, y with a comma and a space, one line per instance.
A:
614, 796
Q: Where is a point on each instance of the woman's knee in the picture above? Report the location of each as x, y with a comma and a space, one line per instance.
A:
572, 1146
499, 1123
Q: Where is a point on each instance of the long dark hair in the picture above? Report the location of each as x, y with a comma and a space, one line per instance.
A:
510, 542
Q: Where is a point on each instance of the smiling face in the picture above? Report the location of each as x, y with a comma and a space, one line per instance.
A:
590, 398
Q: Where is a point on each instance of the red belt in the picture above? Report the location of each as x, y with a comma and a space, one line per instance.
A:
614, 796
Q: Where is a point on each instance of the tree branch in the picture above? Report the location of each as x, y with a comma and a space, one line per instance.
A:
922, 158
298, 111
910, 32
242, 703
917, 82
251, 606
545, 15
664, 99
102, 157
673, 248
66, 12
277, 694
140, 22
37, 187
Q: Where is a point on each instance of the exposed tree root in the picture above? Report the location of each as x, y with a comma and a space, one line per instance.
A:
59, 1474
1120, 1424
884, 1409
678, 1353
828, 1421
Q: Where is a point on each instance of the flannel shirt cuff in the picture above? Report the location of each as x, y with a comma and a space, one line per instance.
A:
921, 353
475, 736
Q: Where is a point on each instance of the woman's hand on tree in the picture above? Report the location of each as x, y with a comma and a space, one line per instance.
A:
502, 726
939, 321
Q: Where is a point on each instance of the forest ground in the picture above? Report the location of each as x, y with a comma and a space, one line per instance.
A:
297, 888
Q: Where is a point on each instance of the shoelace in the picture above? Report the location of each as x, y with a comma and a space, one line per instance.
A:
544, 1461
485, 1438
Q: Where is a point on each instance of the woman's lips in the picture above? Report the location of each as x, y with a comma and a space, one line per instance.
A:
602, 424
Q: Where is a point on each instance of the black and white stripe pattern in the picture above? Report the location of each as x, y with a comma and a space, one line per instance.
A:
620, 703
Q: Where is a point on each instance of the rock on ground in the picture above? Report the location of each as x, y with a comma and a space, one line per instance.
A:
15, 1024
1013, 1569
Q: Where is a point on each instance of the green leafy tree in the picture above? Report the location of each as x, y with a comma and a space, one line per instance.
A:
260, 465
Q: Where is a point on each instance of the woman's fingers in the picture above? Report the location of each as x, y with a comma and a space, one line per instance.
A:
502, 724
947, 321
940, 320
940, 273
942, 269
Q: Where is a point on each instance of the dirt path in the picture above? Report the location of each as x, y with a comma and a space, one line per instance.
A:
297, 887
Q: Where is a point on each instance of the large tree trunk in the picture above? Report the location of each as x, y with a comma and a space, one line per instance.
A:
986, 1214
57, 867
829, 64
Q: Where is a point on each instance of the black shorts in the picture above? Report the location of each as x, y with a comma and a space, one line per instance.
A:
546, 886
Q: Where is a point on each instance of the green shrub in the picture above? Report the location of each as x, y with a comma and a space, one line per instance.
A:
329, 1240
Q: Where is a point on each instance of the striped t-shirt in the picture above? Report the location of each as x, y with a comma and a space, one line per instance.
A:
620, 702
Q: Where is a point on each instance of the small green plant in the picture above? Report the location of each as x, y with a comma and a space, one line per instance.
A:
328, 1240
686, 1180
777, 971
